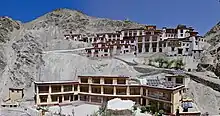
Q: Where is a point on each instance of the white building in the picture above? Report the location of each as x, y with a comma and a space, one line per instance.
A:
179, 41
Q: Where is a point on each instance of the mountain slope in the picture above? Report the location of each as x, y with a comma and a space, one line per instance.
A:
22, 46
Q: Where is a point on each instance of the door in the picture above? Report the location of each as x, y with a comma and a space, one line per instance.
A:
60, 99
71, 98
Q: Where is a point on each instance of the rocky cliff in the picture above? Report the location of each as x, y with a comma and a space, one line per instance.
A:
22, 44
211, 59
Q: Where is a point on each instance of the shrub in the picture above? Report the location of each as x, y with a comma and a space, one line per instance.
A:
143, 109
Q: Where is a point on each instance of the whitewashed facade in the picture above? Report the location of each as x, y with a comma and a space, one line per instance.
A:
179, 41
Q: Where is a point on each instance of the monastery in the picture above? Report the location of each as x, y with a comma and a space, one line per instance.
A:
179, 41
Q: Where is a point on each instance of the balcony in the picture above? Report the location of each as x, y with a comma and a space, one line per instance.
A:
84, 89
96, 89
108, 81
43, 89
121, 81
84, 80
134, 91
67, 88
109, 90
165, 97
121, 91
55, 89
96, 80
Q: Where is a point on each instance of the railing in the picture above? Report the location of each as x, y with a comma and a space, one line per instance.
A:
159, 97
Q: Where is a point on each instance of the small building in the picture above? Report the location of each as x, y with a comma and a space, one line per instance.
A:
16, 94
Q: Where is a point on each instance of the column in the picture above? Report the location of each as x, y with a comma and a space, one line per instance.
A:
49, 98
73, 87
141, 90
49, 89
62, 98
157, 50
114, 81
38, 99
141, 101
102, 89
143, 44
102, 81
114, 91
150, 44
62, 88
128, 90
78, 88
90, 89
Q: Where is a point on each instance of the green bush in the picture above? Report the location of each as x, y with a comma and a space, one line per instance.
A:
143, 109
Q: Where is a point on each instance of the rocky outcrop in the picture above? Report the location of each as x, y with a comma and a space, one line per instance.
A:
211, 57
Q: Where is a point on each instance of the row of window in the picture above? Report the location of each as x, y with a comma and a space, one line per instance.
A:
106, 81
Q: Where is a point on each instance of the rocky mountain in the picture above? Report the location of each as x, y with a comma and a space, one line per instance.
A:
211, 57
22, 44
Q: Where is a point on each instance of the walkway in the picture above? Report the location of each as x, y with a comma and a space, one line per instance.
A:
63, 51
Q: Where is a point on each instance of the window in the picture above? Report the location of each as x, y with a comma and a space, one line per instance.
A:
67, 88
118, 35
187, 49
181, 35
179, 80
75, 88
132, 41
183, 44
187, 44
54, 98
125, 33
43, 98
160, 50
126, 46
154, 50
169, 78
181, 31
173, 48
56, 89
141, 33
66, 97
106, 50
84, 80
196, 43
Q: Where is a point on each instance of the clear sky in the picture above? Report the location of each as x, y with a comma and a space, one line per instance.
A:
201, 14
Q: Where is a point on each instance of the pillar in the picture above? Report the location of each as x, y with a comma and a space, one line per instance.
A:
102, 89
90, 89
62, 89
62, 98
78, 88
143, 44
128, 90
114, 91
114, 81
150, 45
49, 89
141, 91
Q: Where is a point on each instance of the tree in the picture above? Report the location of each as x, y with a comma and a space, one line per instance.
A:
179, 64
170, 63
161, 61
161, 112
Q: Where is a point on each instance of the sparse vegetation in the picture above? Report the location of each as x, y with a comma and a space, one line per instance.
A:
165, 63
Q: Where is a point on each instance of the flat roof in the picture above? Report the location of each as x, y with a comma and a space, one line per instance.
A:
104, 76
56, 82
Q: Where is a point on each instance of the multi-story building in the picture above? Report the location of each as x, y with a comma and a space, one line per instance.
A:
100, 89
179, 41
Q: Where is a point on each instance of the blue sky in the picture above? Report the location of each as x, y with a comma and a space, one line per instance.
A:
201, 14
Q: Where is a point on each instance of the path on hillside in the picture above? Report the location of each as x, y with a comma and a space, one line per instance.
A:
64, 51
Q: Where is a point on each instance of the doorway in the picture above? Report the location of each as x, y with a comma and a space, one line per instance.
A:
60, 99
